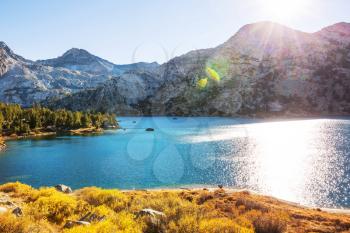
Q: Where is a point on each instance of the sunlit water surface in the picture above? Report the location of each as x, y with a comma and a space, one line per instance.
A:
305, 161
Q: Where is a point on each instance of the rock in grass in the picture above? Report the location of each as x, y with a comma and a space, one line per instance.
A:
150, 212
153, 219
92, 217
63, 188
17, 211
70, 224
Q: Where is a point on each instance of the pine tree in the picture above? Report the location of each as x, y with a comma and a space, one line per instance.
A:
14, 119
1, 121
86, 120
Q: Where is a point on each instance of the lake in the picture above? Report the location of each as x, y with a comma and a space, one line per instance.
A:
305, 161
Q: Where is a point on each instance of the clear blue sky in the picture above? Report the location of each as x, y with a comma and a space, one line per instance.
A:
145, 30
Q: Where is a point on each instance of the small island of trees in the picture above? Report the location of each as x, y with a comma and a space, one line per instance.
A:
15, 120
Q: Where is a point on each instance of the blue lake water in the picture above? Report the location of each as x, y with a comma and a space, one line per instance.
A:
305, 161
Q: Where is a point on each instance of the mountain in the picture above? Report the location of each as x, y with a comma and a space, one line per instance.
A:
338, 33
7, 58
26, 82
265, 68
82, 60
123, 94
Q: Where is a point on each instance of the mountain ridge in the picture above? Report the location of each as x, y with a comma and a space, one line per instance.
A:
264, 68
82, 60
27, 82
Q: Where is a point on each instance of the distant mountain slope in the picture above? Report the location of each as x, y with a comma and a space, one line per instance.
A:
123, 94
26, 82
82, 60
264, 68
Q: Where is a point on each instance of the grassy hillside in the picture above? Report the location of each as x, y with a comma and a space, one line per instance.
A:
182, 211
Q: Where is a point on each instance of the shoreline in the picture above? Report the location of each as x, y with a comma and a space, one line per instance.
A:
264, 116
43, 134
2, 144
231, 207
212, 189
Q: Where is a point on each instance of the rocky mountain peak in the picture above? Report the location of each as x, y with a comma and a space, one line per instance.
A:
77, 53
339, 33
7, 58
80, 60
264, 28
341, 27
6, 49
3, 44
76, 56
268, 39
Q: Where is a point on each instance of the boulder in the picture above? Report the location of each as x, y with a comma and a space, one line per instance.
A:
17, 211
92, 217
63, 188
149, 129
153, 219
150, 212
70, 224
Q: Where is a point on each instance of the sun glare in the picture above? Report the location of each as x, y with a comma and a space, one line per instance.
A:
284, 9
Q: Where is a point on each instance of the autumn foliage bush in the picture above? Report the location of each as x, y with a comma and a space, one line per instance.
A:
222, 225
10, 224
114, 199
18, 189
269, 223
47, 210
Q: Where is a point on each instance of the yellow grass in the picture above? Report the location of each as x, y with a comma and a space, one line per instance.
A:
186, 211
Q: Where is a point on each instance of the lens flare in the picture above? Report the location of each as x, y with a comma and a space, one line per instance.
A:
213, 74
202, 83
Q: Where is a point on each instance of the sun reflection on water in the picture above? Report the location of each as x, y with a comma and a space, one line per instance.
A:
294, 160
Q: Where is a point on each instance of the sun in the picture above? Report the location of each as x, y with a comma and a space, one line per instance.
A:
283, 10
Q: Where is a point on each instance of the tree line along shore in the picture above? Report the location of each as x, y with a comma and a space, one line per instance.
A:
16, 121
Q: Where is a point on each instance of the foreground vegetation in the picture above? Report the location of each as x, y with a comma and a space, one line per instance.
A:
15, 120
183, 211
